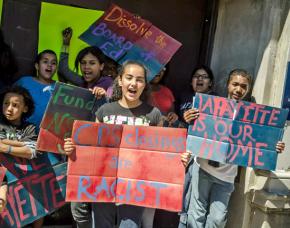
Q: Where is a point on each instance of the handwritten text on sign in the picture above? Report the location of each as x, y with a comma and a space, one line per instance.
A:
68, 103
240, 133
35, 188
122, 36
134, 165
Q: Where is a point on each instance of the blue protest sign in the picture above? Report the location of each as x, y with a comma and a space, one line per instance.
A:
35, 188
241, 133
286, 95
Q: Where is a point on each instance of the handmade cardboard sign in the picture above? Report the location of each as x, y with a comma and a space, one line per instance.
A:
68, 103
134, 165
240, 133
122, 36
35, 188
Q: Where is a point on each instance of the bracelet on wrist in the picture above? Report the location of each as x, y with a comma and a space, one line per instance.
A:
9, 150
65, 48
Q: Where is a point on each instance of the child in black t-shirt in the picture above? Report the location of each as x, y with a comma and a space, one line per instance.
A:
128, 108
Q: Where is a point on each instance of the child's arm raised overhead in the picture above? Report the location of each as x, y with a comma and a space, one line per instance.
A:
63, 67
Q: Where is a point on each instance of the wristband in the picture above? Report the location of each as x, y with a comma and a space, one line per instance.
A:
9, 150
65, 48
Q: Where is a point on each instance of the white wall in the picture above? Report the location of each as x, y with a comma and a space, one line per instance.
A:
253, 35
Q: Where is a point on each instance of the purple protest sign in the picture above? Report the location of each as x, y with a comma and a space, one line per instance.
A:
122, 36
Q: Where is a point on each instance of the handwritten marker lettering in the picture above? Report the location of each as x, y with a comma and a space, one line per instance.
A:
241, 133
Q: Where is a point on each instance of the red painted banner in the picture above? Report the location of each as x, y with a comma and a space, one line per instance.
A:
67, 103
134, 165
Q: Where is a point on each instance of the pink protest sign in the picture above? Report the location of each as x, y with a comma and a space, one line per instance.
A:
122, 35
134, 165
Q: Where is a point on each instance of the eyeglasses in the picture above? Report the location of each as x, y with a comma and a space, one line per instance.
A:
200, 76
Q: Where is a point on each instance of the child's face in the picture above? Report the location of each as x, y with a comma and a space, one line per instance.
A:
90, 67
132, 82
238, 87
201, 82
47, 66
158, 77
13, 107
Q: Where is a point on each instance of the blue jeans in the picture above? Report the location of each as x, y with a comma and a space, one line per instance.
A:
148, 218
208, 201
107, 214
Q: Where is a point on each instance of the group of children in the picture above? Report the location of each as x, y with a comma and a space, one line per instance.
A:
208, 184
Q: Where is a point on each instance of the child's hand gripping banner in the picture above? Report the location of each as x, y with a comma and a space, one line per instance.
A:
240, 133
67, 103
54, 18
122, 36
133, 165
